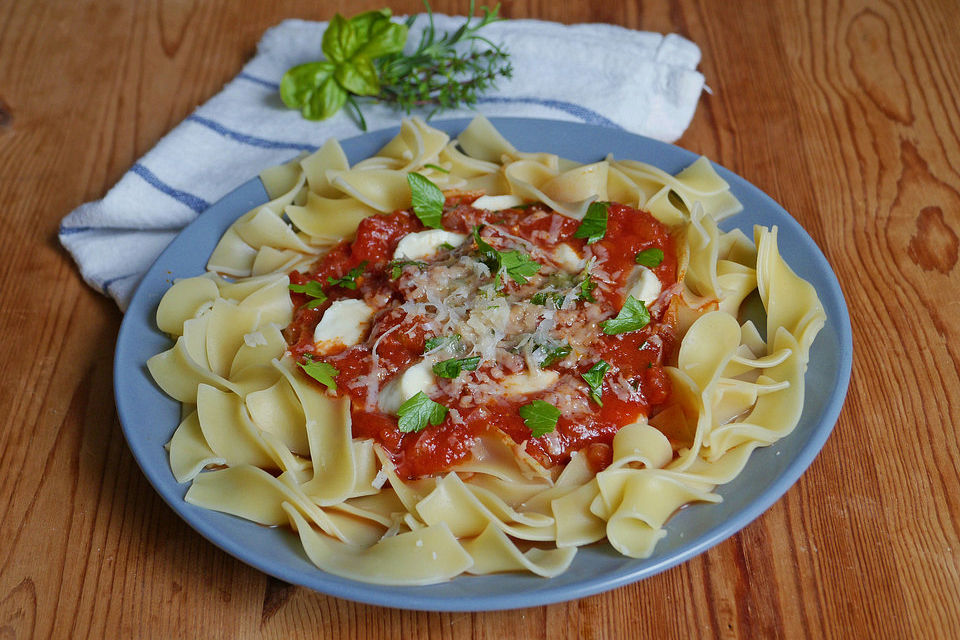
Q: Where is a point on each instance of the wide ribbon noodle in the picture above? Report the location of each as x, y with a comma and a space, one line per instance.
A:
263, 441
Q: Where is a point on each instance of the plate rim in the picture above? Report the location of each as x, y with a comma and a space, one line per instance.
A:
408, 597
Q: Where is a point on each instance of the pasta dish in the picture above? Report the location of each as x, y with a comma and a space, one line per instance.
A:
457, 357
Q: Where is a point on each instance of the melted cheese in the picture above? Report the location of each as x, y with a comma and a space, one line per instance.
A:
530, 381
646, 285
415, 379
497, 203
423, 244
566, 257
343, 325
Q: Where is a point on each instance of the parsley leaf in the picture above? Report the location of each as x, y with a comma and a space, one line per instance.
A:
396, 266
454, 366
322, 372
586, 290
540, 417
418, 411
519, 265
442, 341
650, 257
427, 200
632, 316
555, 353
312, 289
594, 224
594, 378
349, 281
542, 297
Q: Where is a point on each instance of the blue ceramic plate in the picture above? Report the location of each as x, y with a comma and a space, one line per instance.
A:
149, 417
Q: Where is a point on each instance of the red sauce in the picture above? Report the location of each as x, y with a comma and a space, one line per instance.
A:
636, 356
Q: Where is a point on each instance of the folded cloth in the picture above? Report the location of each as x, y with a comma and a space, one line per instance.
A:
602, 74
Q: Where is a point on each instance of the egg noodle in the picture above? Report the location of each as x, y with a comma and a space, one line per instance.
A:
534, 316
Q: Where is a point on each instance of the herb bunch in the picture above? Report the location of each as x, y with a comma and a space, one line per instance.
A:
365, 61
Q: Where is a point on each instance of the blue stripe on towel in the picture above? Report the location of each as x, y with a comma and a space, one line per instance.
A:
266, 83
194, 202
243, 138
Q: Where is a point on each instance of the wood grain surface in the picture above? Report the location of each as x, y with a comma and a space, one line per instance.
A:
847, 113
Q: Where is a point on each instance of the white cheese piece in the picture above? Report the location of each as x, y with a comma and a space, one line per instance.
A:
343, 325
567, 257
497, 203
646, 285
529, 381
254, 339
415, 379
414, 246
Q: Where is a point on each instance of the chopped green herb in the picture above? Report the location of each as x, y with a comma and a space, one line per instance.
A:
632, 316
427, 200
442, 341
447, 246
396, 266
594, 378
650, 257
586, 290
518, 265
594, 224
540, 417
349, 281
436, 168
322, 372
312, 289
543, 297
455, 366
554, 354
418, 411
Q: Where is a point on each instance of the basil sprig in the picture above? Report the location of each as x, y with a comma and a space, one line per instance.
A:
312, 289
455, 366
348, 281
594, 379
322, 372
320, 89
649, 257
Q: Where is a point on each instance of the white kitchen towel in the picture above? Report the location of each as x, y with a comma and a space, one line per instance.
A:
601, 74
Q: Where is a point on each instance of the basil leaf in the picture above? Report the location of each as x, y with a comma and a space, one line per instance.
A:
488, 255
418, 411
594, 378
359, 76
649, 257
325, 101
540, 417
594, 224
312, 289
379, 35
427, 200
632, 316
555, 354
341, 39
436, 168
322, 372
518, 265
455, 366
300, 83
349, 281
442, 341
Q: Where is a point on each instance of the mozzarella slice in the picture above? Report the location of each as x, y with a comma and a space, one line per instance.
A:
567, 258
529, 381
415, 379
497, 203
414, 246
646, 285
343, 325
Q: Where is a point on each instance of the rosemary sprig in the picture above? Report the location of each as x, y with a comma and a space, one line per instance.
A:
365, 61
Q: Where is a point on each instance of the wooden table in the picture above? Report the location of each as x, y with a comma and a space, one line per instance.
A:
847, 113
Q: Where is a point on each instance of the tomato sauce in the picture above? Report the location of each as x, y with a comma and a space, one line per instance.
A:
636, 356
